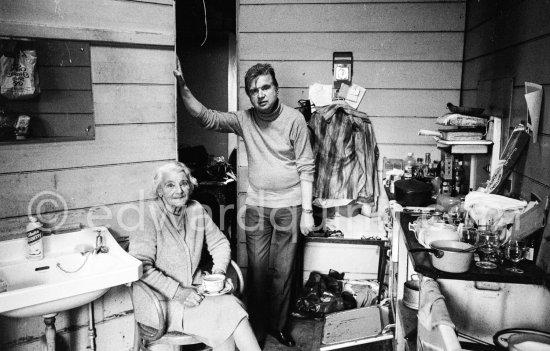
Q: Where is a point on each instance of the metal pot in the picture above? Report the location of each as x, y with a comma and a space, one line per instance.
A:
449, 255
412, 192
411, 292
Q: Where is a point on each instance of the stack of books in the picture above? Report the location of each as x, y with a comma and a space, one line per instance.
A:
460, 140
462, 134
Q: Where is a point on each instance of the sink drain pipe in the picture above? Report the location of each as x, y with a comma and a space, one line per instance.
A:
91, 325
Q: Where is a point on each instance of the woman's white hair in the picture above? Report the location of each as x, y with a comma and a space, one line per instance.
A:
172, 167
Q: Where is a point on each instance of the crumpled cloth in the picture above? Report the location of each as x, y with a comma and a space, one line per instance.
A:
432, 310
496, 210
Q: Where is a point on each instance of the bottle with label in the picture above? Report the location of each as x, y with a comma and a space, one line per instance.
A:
426, 165
436, 184
418, 167
530, 249
432, 169
427, 158
410, 164
445, 188
35, 247
459, 178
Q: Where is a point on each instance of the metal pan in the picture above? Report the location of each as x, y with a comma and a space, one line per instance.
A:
504, 339
449, 255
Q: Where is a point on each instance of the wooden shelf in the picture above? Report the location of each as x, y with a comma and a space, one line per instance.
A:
465, 146
45, 140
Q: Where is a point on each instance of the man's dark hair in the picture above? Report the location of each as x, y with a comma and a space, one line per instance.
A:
257, 70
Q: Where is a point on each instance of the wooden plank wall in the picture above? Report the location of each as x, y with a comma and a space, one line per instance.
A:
94, 182
407, 54
512, 39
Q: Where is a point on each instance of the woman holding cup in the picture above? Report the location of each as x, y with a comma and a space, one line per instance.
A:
169, 244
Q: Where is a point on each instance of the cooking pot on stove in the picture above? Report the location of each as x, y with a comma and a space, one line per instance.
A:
449, 255
412, 192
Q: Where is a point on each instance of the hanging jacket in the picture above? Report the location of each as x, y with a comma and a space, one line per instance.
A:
345, 152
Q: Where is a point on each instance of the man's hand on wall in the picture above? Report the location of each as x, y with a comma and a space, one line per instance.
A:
178, 74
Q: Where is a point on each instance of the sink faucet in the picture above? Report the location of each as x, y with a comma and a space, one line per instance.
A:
99, 247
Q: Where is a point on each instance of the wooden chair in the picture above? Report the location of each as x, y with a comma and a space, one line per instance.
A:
145, 336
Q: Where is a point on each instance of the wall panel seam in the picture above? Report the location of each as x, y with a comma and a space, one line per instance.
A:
132, 123
533, 180
356, 32
354, 60
146, 84
504, 48
86, 167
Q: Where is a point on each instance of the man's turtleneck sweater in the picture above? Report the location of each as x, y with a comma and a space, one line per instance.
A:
278, 149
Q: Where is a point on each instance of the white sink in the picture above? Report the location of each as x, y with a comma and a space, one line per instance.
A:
37, 288
480, 309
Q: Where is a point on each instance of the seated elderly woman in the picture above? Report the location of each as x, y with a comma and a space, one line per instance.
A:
170, 246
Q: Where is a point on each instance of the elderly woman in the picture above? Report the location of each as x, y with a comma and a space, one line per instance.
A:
170, 246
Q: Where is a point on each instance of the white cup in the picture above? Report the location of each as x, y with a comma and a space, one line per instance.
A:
213, 283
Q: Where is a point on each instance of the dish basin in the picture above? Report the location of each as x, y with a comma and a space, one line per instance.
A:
480, 309
70, 275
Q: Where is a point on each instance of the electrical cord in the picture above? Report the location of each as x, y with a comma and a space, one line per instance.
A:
88, 254
205, 23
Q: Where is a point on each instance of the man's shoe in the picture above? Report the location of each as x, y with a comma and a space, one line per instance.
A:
284, 337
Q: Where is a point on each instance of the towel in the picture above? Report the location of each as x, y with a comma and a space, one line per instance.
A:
432, 310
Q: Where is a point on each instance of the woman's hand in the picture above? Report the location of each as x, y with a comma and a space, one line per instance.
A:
218, 271
188, 296
193, 299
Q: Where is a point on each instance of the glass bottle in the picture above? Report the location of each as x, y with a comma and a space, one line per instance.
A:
425, 171
445, 188
410, 163
530, 249
427, 158
459, 178
489, 248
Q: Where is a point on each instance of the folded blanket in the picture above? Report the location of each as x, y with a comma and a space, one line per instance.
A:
459, 120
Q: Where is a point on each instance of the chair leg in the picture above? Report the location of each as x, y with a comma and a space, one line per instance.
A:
139, 344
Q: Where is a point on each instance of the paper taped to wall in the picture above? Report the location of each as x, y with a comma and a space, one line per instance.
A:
320, 94
533, 97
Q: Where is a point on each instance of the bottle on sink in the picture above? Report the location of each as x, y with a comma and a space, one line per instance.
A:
35, 246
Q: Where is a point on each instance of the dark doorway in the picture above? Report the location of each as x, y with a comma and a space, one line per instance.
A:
205, 43
206, 47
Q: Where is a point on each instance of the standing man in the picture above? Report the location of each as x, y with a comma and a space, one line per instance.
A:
278, 203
